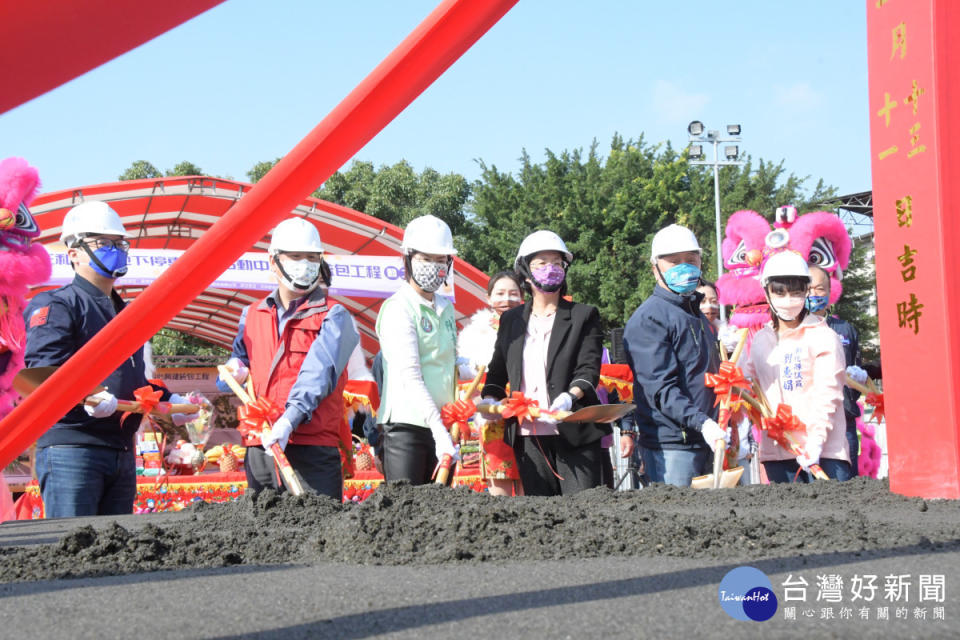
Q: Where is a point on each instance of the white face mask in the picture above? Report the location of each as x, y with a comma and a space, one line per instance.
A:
787, 308
304, 275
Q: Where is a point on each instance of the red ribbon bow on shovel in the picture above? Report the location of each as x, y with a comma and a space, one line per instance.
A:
518, 406
458, 412
724, 381
253, 414
148, 398
781, 424
875, 400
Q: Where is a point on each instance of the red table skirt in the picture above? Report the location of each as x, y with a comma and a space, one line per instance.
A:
173, 493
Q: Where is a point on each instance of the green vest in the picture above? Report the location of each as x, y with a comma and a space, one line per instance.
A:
437, 344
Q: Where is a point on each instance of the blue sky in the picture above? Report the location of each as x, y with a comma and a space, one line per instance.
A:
248, 79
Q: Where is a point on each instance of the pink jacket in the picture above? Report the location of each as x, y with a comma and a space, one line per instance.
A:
805, 369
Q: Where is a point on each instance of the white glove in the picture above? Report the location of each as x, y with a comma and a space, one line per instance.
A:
729, 336
562, 402
443, 443
279, 433
857, 374
238, 370
466, 371
181, 419
712, 432
106, 407
810, 456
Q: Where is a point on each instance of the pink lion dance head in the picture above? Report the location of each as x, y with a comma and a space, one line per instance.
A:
820, 237
22, 263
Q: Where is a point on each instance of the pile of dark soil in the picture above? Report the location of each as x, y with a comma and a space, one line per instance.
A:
400, 524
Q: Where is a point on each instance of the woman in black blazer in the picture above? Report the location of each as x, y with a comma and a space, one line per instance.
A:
550, 350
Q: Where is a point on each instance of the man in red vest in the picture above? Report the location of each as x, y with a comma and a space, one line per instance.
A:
296, 348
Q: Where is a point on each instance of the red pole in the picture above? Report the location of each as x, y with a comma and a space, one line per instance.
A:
914, 69
419, 60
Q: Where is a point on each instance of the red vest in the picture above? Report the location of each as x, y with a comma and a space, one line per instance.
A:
275, 363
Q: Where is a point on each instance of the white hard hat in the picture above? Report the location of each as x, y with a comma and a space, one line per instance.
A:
295, 235
91, 218
673, 239
784, 263
428, 234
538, 241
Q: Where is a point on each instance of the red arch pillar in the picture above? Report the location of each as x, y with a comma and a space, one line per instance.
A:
914, 69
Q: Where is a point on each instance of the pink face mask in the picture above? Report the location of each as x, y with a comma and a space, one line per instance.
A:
548, 278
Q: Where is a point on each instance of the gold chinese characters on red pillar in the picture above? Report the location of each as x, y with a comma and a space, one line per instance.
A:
914, 69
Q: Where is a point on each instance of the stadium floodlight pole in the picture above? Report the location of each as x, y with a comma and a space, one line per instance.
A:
731, 154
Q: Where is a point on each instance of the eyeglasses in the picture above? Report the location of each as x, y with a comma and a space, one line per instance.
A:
536, 264
107, 243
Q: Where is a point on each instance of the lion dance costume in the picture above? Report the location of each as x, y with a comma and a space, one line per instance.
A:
22, 263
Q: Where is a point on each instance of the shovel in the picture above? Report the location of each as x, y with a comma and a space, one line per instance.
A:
602, 413
719, 478
279, 457
27, 380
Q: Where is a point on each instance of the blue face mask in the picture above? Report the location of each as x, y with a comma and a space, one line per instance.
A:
114, 260
682, 279
817, 303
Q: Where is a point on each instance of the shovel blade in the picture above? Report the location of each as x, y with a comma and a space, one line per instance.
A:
728, 479
602, 413
27, 380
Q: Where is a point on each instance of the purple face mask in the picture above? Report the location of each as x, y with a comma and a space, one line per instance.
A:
548, 278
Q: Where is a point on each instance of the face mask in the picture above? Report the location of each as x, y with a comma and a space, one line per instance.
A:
300, 275
548, 278
817, 303
109, 262
787, 309
503, 301
429, 276
682, 278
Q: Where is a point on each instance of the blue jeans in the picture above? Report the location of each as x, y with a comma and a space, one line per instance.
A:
676, 466
786, 470
853, 440
80, 480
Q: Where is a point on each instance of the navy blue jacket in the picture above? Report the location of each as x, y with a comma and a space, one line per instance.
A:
670, 345
58, 323
851, 352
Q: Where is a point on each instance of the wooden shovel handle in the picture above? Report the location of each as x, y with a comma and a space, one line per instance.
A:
135, 407
289, 475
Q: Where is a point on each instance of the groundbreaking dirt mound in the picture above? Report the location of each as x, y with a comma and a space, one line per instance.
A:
400, 524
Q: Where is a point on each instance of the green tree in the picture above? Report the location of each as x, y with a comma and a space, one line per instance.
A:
608, 209
139, 170
397, 193
185, 168
260, 169
169, 342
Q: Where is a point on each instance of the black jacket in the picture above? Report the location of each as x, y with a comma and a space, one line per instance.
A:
851, 352
58, 323
670, 345
573, 360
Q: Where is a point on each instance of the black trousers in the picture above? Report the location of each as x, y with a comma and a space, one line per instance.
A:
578, 468
409, 453
318, 469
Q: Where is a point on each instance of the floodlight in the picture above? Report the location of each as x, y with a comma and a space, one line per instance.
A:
733, 129
695, 128
695, 152
731, 152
